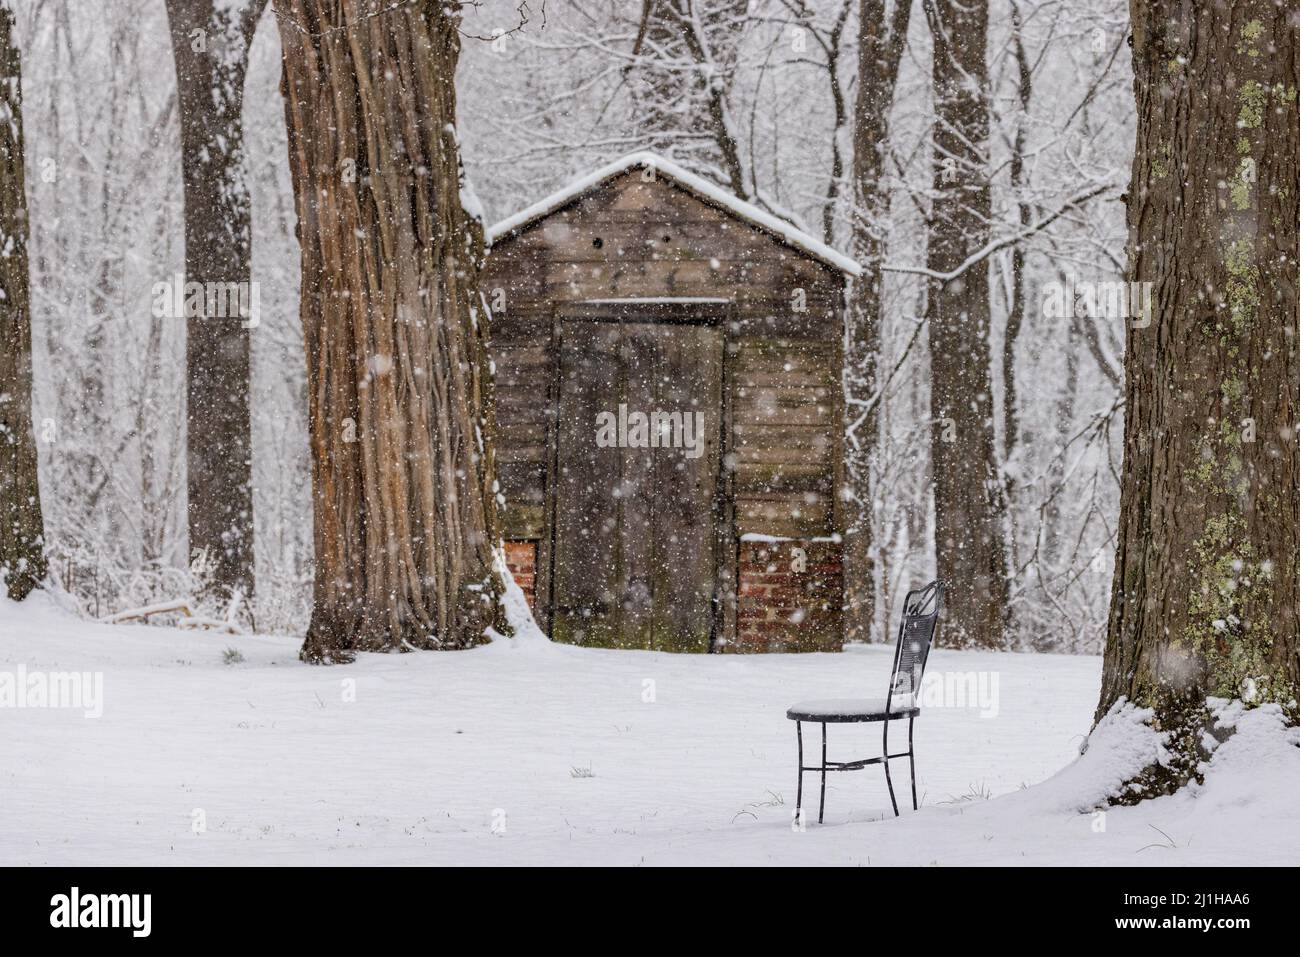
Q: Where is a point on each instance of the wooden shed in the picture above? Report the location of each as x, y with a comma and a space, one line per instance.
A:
670, 415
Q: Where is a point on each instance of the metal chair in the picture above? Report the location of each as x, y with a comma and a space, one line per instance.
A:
921, 610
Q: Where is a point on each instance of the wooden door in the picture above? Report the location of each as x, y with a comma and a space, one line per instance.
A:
634, 563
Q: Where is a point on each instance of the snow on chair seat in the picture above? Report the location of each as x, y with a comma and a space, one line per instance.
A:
851, 709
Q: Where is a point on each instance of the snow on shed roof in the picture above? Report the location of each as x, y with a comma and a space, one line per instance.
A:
702, 188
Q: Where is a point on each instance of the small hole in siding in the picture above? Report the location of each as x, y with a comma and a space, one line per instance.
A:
598, 242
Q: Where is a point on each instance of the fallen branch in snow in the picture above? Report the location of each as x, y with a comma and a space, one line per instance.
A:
144, 613
213, 624
181, 607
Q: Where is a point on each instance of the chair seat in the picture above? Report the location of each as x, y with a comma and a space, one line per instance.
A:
852, 709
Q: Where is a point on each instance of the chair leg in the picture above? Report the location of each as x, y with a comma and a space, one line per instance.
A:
798, 800
889, 781
821, 811
911, 758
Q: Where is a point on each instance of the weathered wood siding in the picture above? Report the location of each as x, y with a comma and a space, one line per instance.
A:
780, 312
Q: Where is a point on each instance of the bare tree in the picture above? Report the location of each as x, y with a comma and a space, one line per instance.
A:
970, 547
1016, 295
880, 49
109, 392
1205, 596
210, 43
683, 60
396, 331
22, 529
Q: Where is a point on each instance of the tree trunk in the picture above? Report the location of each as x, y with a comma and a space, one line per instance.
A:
831, 46
210, 46
1204, 600
1016, 308
880, 49
396, 331
969, 541
22, 529
1010, 467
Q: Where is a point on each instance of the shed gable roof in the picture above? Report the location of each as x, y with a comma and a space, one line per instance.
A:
699, 187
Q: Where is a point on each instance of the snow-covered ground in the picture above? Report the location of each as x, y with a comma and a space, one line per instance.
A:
527, 753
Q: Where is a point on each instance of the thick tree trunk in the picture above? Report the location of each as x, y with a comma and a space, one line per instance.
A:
22, 530
880, 48
210, 43
1205, 596
969, 541
396, 331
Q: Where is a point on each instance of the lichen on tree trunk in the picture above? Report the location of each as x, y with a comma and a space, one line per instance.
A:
396, 332
1204, 600
22, 536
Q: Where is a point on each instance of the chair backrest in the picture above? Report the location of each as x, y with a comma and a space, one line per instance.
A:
921, 610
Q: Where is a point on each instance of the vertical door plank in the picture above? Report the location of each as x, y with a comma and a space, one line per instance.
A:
586, 562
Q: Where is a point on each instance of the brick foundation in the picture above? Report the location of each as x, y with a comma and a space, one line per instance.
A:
786, 603
521, 559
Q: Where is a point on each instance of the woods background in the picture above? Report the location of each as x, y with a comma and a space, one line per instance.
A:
757, 97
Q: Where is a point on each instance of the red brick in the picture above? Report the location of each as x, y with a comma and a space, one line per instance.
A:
521, 559
771, 594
